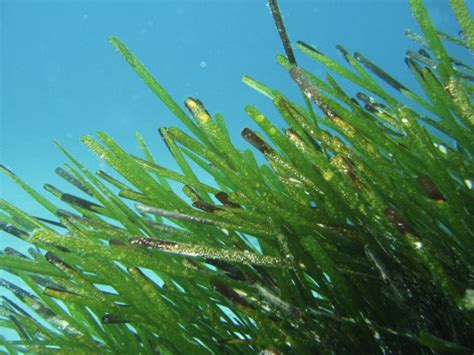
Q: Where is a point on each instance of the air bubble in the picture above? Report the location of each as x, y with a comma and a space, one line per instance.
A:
328, 175
203, 64
468, 183
441, 148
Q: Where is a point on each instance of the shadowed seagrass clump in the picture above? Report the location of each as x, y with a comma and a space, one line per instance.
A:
355, 235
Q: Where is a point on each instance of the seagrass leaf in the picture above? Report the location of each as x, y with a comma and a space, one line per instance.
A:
193, 250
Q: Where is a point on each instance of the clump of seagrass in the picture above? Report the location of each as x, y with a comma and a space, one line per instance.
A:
356, 235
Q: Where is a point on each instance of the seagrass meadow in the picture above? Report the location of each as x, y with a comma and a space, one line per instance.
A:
353, 235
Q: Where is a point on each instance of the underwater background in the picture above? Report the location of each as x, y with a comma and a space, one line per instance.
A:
61, 79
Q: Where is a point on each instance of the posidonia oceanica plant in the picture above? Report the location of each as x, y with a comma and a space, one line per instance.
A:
354, 236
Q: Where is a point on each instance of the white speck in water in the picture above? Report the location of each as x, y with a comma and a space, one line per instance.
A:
405, 120
418, 245
268, 7
203, 64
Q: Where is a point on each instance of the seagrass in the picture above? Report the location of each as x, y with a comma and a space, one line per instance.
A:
355, 235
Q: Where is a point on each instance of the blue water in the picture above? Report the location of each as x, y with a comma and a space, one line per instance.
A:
61, 79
